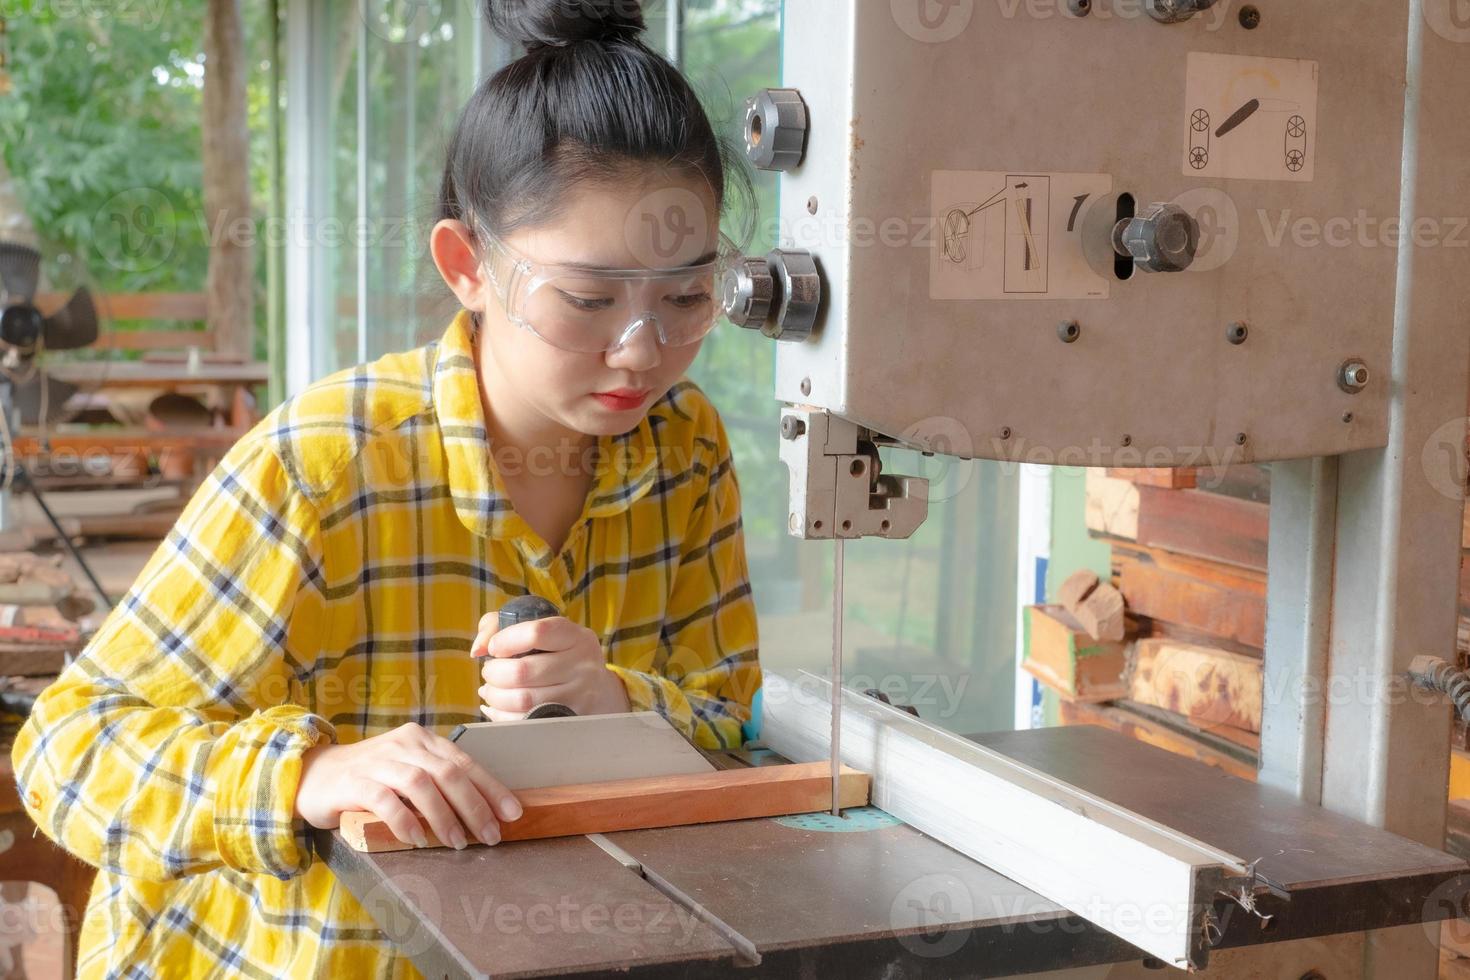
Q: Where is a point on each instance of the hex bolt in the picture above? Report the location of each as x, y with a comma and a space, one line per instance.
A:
1353, 376
1237, 332
806, 386
1250, 17
792, 428
775, 129
1070, 331
1079, 8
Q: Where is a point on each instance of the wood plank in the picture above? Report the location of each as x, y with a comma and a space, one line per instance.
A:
641, 804
151, 374
1218, 600
1168, 479
1459, 788
1153, 732
136, 306
1247, 481
1061, 654
154, 340
533, 753
1112, 505
1209, 686
1204, 525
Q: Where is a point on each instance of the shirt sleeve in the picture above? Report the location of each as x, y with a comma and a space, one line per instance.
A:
171, 746
709, 640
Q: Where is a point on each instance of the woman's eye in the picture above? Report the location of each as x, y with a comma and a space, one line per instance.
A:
690, 300
590, 304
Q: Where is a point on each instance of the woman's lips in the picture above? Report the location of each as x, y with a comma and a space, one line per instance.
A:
622, 400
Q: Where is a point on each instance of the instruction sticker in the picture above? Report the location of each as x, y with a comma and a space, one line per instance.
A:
1014, 235
1250, 118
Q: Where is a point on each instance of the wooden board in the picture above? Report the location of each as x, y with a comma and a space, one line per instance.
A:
1205, 525
1179, 739
1206, 685
1169, 479
1061, 654
529, 754
640, 804
1112, 506
1214, 599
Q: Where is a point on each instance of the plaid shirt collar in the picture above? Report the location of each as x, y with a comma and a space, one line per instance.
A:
627, 464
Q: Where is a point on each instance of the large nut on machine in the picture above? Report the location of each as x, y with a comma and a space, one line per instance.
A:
1163, 238
775, 129
779, 295
1172, 11
747, 291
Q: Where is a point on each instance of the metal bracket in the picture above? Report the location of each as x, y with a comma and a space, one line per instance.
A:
838, 488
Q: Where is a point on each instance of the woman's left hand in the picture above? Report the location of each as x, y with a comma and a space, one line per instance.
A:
568, 667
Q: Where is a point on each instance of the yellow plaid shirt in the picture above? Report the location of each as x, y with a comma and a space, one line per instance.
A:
325, 583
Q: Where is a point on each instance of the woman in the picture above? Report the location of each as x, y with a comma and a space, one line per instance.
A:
301, 642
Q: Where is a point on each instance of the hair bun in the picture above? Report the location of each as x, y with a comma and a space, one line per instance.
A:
542, 23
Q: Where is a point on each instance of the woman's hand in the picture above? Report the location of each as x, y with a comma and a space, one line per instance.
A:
568, 667
443, 783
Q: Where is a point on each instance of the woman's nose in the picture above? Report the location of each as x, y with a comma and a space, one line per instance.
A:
639, 350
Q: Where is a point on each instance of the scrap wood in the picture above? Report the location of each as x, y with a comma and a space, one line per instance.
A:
1097, 605
1204, 684
641, 804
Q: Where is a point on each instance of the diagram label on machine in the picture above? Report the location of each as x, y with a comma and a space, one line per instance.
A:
1250, 118
1015, 235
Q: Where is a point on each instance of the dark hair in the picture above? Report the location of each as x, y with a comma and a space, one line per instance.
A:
588, 101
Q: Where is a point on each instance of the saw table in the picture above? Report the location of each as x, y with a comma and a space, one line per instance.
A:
780, 898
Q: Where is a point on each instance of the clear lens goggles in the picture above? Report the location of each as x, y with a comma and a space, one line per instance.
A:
595, 311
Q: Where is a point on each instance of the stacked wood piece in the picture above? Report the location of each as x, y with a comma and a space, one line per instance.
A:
1189, 563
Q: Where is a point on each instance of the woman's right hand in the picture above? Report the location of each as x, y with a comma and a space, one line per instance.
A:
377, 774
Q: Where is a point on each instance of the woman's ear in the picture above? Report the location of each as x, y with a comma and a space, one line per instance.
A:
453, 249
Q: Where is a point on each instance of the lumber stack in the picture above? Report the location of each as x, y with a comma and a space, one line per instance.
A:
1189, 565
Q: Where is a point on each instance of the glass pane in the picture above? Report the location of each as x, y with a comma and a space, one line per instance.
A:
421, 69
931, 621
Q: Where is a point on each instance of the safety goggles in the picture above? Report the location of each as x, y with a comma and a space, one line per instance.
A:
591, 311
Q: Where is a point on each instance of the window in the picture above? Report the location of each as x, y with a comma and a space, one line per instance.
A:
930, 620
